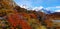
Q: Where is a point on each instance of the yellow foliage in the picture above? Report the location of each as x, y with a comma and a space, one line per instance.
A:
8, 3
43, 27
9, 11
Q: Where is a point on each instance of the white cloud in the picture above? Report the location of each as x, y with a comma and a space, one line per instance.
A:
57, 6
57, 10
54, 7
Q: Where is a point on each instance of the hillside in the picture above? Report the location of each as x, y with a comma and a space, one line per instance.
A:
13, 16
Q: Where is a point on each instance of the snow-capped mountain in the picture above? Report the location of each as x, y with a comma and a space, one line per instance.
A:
42, 9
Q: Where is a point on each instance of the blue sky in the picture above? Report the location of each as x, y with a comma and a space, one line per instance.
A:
49, 4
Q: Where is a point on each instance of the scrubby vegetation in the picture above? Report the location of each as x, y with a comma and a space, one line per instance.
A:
13, 16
